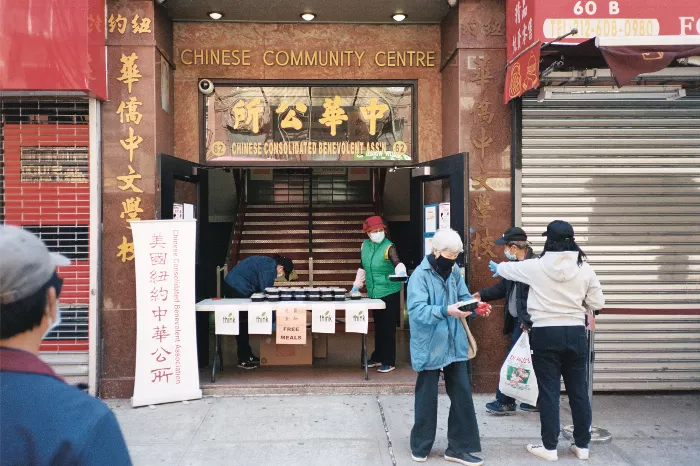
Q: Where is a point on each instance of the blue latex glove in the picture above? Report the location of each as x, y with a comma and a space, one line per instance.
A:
494, 268
354, 290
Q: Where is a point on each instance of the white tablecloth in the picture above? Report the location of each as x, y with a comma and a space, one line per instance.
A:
209, 305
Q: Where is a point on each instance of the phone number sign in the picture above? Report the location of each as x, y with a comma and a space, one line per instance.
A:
530, 20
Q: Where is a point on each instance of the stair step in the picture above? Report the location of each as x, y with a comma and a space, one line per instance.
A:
340, 214
274, 221
359, 234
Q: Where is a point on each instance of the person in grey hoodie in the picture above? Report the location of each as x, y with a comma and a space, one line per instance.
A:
563, 289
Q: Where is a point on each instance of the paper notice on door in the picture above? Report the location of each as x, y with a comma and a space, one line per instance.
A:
260, 318
444, 221
323, 317
291, 324
431, 218
356, 318
226, 320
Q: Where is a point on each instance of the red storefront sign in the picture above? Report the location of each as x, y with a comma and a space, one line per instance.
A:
523, 74
529, 21
53, 45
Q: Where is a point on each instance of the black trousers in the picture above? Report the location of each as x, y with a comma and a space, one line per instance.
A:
562, 352
244, 351
462, 428
385, 330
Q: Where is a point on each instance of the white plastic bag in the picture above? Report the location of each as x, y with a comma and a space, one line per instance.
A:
518, 375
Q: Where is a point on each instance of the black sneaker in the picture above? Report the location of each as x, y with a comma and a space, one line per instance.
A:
500, 409
249, 364
529, 408
255, 359
463, 458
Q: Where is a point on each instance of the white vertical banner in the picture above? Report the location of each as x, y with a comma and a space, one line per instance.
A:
166, 343
356, 318
260, 319
226, 321
323, 317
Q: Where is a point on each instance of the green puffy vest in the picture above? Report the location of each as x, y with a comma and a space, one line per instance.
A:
378, 269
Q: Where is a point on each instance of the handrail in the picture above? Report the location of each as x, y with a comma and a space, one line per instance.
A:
239, 221
378, 182
311, 227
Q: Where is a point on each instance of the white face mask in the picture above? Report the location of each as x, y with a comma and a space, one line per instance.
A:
55, 323
510, 256
377, 237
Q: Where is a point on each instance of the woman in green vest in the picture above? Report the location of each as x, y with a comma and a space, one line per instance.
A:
379, 260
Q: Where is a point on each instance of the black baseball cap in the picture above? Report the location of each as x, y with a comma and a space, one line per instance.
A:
511, 234
559, 230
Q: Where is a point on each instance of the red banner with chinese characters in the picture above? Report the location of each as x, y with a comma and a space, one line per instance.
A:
523, 74
53, 45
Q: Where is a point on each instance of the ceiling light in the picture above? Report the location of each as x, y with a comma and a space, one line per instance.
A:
215, 15
399, 17
308, 16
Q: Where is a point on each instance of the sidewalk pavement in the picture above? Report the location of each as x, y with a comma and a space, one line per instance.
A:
374, 430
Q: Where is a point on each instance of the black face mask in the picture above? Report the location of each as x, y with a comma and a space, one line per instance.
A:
445, 264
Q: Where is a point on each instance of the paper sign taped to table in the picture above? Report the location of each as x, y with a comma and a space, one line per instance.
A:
356, 318
323, 317
291, 324
226, 320
260, 318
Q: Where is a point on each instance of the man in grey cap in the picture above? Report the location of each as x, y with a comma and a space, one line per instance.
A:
43, 419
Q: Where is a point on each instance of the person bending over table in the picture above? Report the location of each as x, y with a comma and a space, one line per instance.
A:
249, 276
379, 260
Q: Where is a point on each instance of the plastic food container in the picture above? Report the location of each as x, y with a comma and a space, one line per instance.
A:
257, 297
356, 295
286, 297
273, 298
314, 297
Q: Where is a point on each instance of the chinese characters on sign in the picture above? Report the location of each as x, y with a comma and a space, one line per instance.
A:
301, 123
483, 113
166, 355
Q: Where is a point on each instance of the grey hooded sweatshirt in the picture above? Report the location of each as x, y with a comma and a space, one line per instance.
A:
561, 291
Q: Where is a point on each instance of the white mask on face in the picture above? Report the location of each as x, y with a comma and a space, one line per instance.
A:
377, 237
55, 323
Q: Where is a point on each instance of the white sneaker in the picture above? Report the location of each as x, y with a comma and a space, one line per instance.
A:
542, 452
419, 459
581, 453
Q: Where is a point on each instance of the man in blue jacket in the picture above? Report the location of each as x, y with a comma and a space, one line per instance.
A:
436, 291
43, 420
516, 248
252, 275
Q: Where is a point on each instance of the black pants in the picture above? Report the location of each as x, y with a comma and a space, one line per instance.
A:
244, 351
462, 428
385, 330
562, 352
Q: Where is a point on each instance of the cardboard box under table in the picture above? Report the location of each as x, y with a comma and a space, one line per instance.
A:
285, 356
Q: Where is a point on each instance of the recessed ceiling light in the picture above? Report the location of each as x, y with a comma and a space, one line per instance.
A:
399, 17
308, 16
215, 15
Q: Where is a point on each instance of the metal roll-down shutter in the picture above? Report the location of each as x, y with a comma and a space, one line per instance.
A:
626, 174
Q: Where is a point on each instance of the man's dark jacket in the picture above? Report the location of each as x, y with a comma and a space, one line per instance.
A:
502, 290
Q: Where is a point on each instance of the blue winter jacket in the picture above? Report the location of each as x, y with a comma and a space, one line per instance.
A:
437, 340
252, 275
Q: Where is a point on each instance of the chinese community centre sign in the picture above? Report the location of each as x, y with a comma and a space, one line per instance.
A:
321, 123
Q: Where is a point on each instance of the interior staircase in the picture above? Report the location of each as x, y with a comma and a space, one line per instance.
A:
328, 257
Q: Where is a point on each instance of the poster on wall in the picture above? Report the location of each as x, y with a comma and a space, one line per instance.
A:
431, 213
166, 346
444, 215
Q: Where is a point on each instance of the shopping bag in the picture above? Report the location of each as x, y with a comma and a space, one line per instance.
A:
470, 338
518, 375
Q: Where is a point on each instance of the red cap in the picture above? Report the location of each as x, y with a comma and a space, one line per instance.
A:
373, 223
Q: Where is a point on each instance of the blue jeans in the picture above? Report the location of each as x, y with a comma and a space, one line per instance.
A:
517, 331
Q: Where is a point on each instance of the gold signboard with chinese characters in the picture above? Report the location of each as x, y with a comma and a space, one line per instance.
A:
310, 124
